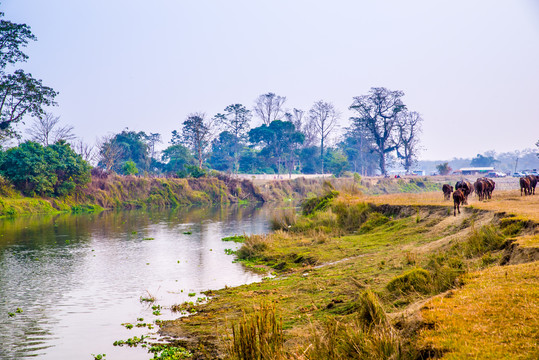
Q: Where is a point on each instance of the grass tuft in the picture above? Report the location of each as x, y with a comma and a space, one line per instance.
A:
258, 335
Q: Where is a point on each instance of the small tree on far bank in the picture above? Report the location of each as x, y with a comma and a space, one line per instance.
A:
130, 168
443, 169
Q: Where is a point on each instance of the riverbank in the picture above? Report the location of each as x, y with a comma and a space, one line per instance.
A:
130, 192
393, 276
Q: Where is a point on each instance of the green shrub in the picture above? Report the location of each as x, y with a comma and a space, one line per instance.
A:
54, 170
487, 238
374, 220
318, 203
415, 280
350, 217
129, 168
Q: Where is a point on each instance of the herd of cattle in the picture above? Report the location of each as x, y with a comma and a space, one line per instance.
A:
483, 188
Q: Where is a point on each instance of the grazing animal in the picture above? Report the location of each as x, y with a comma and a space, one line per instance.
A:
488, 187
447, 189
458, 199
533, 182
479, 187
466, 187
525, 186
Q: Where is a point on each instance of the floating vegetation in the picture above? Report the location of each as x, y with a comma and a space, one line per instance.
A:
157, 313
164, 352
99, 356
229, 252
149, 298
235, 238
131, 342
128, 325
134, 232
192, 294
187, 232
18, 311
186, 306
148, 238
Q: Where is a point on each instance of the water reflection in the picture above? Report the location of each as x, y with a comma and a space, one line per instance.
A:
77, 278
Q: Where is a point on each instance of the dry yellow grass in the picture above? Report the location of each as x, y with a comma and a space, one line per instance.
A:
504, 201
495, 316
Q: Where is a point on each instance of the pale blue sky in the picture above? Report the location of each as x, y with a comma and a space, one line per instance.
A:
471, 68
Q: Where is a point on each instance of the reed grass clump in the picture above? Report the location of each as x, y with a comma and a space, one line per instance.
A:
253, 247
368, 335
257, 336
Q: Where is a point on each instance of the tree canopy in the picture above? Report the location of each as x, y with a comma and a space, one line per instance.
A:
20, 92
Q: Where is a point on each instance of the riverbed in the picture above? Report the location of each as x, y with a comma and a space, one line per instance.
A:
69, 282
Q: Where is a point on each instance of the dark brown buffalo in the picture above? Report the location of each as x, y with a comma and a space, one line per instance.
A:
466, 187
458, 199
533, 182
479, 187
447, 189
489, 187
525, 186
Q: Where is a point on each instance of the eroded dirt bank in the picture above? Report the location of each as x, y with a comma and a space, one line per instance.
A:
408, 258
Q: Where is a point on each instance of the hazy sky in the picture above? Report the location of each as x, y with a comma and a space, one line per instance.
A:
471, 68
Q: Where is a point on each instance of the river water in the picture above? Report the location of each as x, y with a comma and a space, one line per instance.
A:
77, 278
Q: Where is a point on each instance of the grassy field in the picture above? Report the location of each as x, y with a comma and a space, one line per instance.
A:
381, 277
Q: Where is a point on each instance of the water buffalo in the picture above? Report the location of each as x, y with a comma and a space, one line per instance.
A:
533, 182
458, 199
466, 187
447, 189
525, 186
488, 187
479, 187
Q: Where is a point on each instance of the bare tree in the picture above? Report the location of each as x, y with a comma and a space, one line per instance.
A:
301, 122
46, 130
109, 153
377, 113
409, 128
86, 151
269, 107
323, 116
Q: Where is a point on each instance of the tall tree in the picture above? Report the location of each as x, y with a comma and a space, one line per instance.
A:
176, 158
323, 116
278, 139
46, 130
20, 93
409, 128
377, 113
236, 120
134, 148
196, 135
152, 139
357, 146
269, 107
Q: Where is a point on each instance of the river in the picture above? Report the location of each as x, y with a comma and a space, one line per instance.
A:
77, 278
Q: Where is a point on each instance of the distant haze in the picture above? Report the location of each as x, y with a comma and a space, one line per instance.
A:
469, 67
